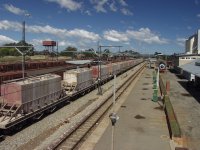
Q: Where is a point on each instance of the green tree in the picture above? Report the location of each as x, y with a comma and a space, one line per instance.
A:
13, 52
106, 51
70, 48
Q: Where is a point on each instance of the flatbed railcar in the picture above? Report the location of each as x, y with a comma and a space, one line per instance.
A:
13, 114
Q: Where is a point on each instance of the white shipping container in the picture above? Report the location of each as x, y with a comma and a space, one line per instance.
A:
77, 79
40, 86
33, 93
115, 69
104, 72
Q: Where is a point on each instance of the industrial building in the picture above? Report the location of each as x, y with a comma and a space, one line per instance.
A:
191, 71
187, 64
183, 59
192, 50
192, 44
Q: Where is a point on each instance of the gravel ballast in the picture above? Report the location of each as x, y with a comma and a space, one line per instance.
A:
34, 135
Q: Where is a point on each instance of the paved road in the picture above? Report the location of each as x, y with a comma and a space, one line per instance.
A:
142, 124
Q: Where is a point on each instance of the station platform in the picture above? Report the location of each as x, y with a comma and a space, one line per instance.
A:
142, 122
185, 100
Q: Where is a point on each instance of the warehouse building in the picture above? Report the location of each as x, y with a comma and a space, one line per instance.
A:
191, 71
192, 51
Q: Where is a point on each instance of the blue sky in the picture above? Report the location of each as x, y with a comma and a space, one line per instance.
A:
146, 26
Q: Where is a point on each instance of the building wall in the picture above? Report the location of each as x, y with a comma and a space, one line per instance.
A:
198, 41
197, 81
187, 46
182, 60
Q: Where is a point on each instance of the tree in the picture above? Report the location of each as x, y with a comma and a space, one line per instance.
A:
106, 51
13, 52
90, 50
70, 48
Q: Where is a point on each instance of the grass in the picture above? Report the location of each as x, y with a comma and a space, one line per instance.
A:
13, 59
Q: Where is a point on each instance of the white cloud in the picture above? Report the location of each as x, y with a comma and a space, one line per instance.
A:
142, 35
113, 7
146, 35
115, 36
88, 12
127, 43
181, 41
103, 5
63, 43
196, 2
189, 27
84, 34
8, 25
5, 40
47, 29
70, 5
126, 12
198, 15
89, 26
99, 5
14, 10
123, 3
38, 42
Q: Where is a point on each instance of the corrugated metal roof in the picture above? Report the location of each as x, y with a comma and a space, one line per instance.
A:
192, 68
79, 62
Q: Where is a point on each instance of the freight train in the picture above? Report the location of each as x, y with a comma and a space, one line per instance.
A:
31, 97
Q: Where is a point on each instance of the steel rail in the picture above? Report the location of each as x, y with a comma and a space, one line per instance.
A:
77, 136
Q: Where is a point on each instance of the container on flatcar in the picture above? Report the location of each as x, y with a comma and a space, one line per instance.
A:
76, 80
104, 72
33, 93
115, 68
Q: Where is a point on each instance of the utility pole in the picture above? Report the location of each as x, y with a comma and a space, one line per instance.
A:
57, 51
99, 67
113, 116
23, 33
99, 71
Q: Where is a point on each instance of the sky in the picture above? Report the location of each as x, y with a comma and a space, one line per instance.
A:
145, 26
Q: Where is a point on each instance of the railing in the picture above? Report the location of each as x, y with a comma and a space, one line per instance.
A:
172, 121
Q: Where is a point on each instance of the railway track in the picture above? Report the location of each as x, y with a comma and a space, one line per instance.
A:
74, 139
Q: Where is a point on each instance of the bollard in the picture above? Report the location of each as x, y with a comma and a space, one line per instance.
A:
155, 95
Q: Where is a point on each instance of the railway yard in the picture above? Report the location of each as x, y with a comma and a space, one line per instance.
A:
76, 110
99, 75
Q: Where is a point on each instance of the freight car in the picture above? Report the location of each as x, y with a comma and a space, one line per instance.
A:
77, 80
31, 97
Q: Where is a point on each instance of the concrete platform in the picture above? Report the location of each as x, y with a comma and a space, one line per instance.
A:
142, 124
185, 101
